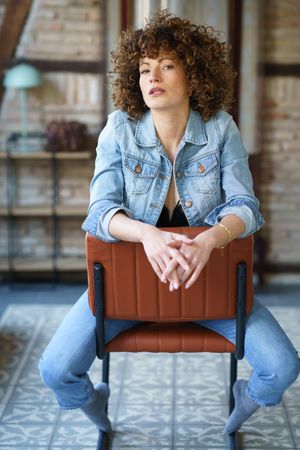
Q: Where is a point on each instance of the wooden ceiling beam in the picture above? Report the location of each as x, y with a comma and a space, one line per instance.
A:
235, 39
14, 19
49, 65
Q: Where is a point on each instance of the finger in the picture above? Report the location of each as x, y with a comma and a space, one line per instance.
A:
181, 260
181, 238
157, 267
194, 277
174, 244
169, 269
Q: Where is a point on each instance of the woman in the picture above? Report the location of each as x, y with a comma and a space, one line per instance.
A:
171, 156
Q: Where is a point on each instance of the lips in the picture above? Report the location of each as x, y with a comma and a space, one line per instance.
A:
156, 90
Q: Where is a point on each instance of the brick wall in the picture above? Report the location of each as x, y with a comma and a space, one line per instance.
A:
65, 30
280, 188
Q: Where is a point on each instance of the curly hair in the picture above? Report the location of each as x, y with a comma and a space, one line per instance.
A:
209, 75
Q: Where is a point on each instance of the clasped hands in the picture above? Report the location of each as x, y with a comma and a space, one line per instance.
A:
175, 258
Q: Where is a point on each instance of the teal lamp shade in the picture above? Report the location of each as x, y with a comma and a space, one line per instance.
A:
22, 77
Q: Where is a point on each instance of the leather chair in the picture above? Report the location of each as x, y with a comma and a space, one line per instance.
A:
123, 285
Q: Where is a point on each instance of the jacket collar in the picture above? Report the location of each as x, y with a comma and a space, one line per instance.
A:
145, 134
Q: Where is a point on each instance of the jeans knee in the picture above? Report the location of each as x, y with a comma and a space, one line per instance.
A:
52, 375
288, 370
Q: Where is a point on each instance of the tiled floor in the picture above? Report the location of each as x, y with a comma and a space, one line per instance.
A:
157, 402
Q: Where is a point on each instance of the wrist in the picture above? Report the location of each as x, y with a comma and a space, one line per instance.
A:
208, 238
143, 231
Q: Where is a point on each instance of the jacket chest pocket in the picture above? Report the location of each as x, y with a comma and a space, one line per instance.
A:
203, 173
138, 175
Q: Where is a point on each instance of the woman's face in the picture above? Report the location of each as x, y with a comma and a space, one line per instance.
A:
163, 83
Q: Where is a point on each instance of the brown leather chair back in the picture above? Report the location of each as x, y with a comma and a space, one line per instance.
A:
133, 291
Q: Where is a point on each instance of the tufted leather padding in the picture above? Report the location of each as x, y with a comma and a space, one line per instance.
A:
171, 338
133, 291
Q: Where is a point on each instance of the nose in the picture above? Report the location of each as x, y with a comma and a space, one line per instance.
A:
154, 76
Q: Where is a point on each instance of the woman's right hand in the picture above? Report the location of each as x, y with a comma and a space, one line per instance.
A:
160, 254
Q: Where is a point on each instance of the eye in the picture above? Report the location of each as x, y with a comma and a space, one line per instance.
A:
168, 67
144, 71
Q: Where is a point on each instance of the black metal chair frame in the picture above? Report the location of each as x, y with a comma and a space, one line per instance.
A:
241, 276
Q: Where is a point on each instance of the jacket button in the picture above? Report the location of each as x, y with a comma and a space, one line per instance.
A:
188, 203
178, 174
201, 168
138, 168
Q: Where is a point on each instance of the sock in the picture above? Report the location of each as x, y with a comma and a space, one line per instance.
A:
94, 409
244, 407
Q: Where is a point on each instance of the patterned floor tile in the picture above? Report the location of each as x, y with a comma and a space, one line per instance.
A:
18, 435
293, 413
269, 437
2, 408
200, 434
145, 401
268, 417
209, 414
202, 393
296, 435
32, 394
74, 447
23, 448
75, 435
29, 413
134, 413
147, 394
75, 416
292, 394
143, 435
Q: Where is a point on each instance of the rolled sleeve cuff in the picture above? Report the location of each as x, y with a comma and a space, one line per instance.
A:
97, 223
245, 214
246, 211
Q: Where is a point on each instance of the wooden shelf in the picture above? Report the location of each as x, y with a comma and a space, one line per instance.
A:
15, 213
33, 264
3, 211
47, 155
44, 211
70, 211
66, 264
73, 155
31, 211
3, 265
69, 264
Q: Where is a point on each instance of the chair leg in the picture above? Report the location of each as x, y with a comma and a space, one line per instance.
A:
105, 368
103, 443
233, 376
233, 444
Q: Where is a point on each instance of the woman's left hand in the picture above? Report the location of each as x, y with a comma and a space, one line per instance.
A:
196, 253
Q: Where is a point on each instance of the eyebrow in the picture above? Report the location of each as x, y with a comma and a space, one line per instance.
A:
160, 60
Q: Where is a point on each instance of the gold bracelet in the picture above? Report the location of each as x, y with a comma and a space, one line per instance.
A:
228, 235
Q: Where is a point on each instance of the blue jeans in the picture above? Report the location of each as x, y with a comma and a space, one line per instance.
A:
72, 350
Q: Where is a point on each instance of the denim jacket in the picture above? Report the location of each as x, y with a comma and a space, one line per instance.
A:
133, 174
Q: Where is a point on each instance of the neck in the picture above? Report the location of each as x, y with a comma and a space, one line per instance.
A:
170, 128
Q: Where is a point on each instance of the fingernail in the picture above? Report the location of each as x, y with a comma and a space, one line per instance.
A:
175, 285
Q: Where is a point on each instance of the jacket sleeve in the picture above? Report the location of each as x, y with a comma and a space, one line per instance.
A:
107, 186
236, 182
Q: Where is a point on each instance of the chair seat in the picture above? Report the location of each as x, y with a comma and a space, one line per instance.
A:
171, 338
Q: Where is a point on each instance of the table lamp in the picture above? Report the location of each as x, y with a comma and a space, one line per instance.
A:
22, 77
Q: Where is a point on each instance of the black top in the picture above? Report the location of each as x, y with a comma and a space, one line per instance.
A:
178, 218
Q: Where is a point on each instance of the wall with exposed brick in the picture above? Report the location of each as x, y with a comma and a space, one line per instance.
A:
280, 149
65, 30
60, 30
